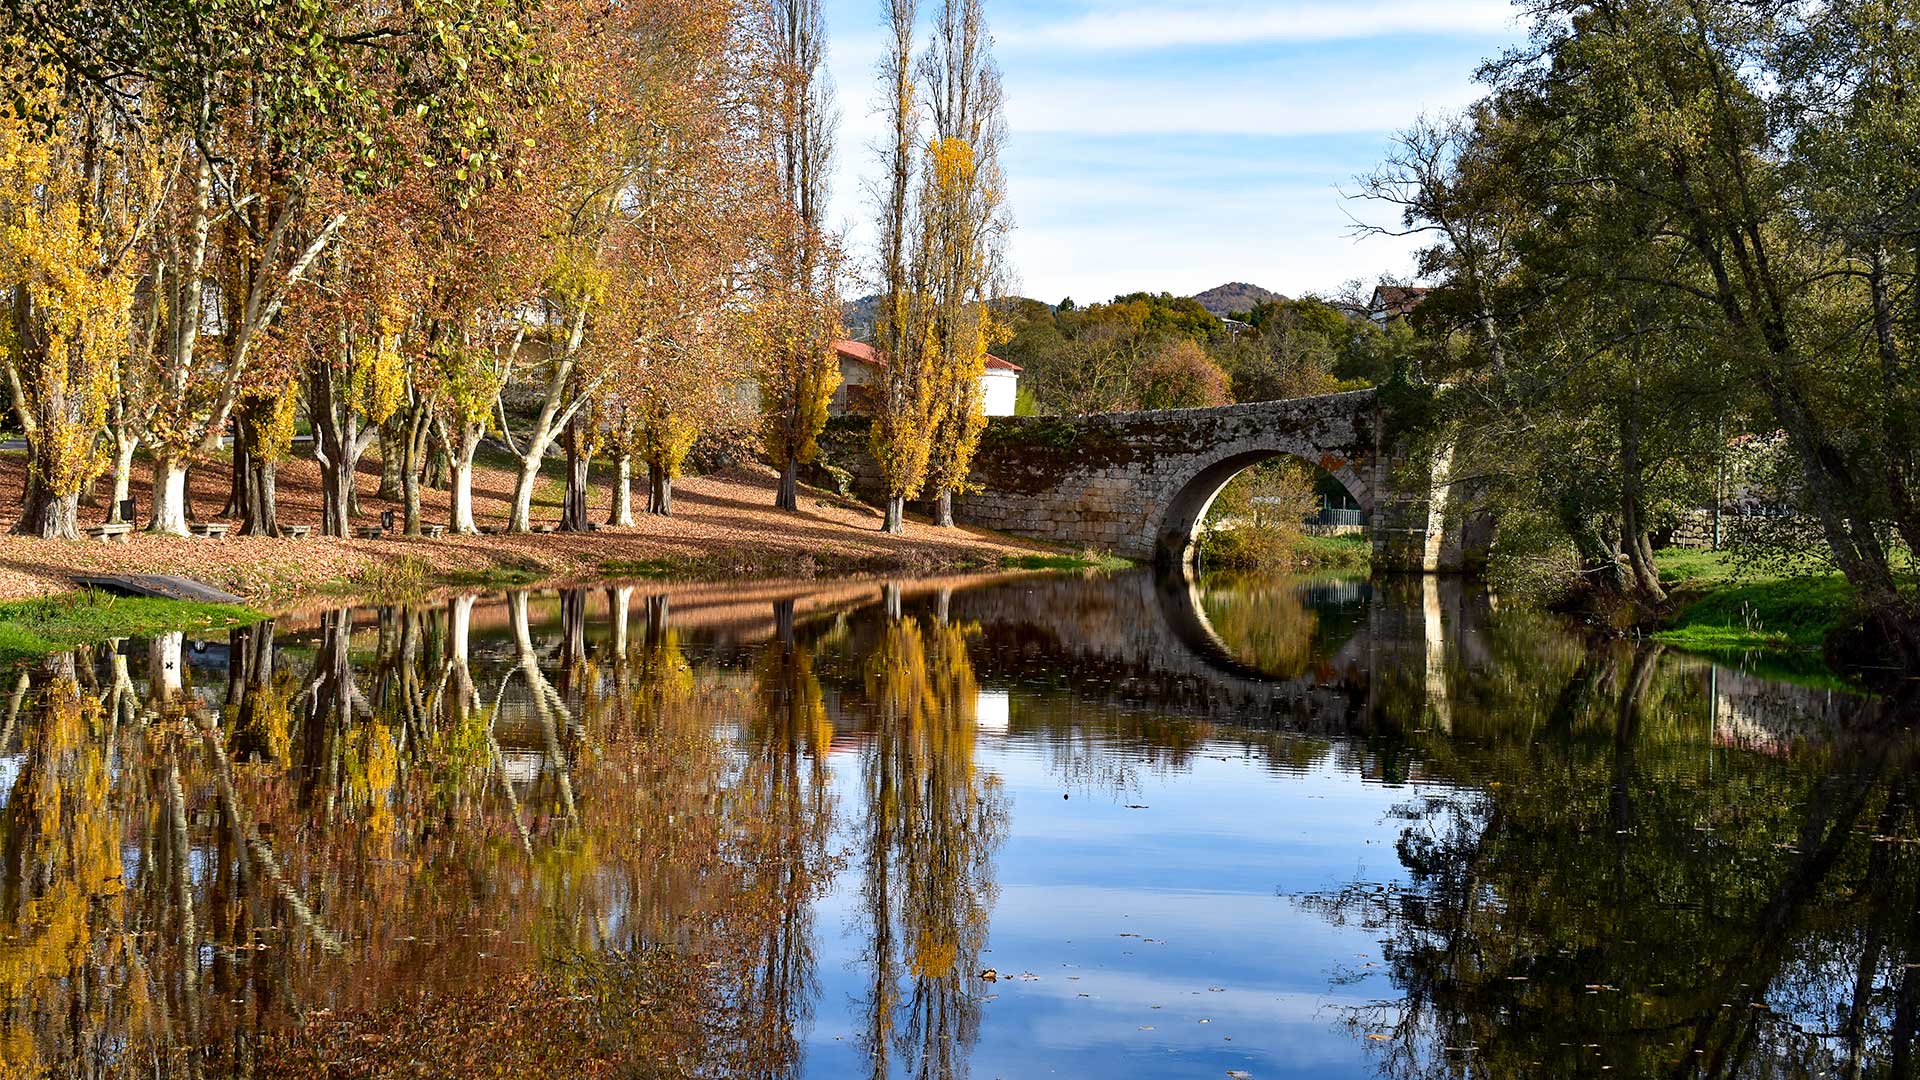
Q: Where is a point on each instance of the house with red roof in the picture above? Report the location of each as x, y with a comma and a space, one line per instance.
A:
861, 368
1392, 302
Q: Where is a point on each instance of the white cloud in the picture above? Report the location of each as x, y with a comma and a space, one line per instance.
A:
1134, 26
1278, 102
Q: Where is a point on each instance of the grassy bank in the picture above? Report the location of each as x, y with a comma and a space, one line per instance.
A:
30, 629
1722, 606
1085, 560
1272, 550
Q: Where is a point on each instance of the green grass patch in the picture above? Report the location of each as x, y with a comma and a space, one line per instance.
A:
1282, 550
493, 577
30, 629
1789, 613
1336, 552
1758, 617
1085, 560
641, 568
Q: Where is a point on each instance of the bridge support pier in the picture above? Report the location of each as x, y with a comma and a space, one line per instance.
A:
1425, 522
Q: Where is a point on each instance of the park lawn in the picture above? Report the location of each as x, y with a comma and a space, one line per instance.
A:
1723, 606
30, 629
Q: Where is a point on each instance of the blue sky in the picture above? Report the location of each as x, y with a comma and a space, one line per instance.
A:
1179, 144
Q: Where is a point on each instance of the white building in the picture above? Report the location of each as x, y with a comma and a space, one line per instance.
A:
860, 368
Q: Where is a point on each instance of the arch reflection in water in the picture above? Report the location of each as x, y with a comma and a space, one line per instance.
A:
651, 830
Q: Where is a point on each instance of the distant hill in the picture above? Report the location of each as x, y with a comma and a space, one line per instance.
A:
1224, 300
859, 315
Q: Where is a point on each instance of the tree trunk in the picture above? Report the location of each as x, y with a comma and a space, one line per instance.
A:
1599, 565
438, 456
573, 509
47, 514
1646, 578
550, 417
621, 511
460, 484
123, 451
520, 516
410, 498
943, 509
391, 460
241, 475
659, 490
789, 495
336, 494
338, 443
260, 515
896, 519
413, 451
169, 495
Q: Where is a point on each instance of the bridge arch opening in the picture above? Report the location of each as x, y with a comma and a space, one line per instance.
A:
1177, 534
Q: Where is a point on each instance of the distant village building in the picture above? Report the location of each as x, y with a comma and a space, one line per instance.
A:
860, 369
1392, 302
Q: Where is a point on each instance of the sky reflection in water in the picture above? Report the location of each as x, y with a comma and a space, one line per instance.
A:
1045, 826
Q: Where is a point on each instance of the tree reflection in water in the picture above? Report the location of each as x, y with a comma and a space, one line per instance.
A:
1609, 889
558, 864
932, 824
588, 834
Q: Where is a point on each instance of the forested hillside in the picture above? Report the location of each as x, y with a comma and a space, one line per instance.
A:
1235, 297
1158, 351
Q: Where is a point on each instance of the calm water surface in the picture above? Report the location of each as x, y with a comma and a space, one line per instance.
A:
1108, 827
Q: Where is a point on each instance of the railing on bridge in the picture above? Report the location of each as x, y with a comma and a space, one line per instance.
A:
1330, 516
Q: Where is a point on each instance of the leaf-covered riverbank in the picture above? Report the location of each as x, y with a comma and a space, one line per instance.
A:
724, 525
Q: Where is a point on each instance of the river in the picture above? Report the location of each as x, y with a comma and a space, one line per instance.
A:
1041, 825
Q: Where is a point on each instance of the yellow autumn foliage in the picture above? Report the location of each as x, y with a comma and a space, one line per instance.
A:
66, 324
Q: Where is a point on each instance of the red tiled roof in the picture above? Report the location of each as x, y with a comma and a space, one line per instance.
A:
1398, 299
857, 351
862, 353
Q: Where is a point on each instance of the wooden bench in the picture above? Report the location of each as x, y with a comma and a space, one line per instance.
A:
209, 530
295, 532
111, 532
369, 532
542, 529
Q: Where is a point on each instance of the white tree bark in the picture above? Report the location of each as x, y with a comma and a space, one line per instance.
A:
555, 413
169, 497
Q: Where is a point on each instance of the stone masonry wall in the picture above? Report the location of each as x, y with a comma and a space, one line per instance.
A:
1110, 482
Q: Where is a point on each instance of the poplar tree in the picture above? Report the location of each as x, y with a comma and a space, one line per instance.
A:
906, 407
69, 229
963, 210
800, 314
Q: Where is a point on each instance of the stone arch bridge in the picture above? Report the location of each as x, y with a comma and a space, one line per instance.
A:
1138, 484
